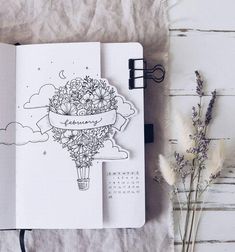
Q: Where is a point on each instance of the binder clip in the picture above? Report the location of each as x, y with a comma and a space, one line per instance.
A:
138, 69
157, 73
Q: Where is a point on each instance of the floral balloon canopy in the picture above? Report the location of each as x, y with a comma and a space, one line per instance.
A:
85, 99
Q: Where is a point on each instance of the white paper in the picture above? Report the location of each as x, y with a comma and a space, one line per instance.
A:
124, 180
7, 152
44, 134
47, 190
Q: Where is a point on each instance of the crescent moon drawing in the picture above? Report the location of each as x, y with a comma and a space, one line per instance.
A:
61, 74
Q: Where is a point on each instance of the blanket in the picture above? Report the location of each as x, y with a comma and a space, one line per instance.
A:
42, 21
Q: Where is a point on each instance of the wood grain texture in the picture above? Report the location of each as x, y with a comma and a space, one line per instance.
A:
202, 37
211, 53
212, 246
214, 226
200, 14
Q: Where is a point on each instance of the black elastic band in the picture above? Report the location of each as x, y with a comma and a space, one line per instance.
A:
21, 238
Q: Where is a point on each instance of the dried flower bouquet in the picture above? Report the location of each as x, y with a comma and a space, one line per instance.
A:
192, 171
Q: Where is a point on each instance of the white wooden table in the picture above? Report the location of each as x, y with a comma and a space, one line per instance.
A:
202, 37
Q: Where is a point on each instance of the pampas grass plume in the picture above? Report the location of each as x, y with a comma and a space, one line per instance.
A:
184, 129
167, 172
216, 160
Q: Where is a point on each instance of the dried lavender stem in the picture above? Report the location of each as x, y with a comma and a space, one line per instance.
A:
200, 93
210, 108
188, 211
199, 88
189, 224
196, 194
200, 107
195, 198
198, 220
194, 209
193, 171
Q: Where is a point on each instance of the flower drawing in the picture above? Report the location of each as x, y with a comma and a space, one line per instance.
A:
82, 97
101, 97
67, 109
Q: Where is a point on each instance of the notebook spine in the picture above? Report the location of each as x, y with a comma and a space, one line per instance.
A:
156, 73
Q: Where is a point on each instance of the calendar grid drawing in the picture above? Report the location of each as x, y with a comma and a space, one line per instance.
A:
123, 183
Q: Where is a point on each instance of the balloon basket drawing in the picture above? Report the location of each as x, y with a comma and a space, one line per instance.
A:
83, 184
83, 178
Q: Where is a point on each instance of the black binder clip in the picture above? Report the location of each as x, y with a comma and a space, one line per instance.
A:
157, 73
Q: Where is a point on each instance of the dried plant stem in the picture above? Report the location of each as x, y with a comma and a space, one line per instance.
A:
195, 167
194, 209
200, 106
188, 211
189, 218
181, 211
198, 220
185, 191
198, 176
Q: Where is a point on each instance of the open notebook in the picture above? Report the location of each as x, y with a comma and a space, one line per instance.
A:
71, 137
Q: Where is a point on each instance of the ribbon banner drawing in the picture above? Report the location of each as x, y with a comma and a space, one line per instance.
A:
80, 122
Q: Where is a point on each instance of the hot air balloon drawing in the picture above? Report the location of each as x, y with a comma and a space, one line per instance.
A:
82, 114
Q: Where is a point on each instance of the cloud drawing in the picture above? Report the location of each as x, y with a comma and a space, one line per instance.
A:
125, 108
17, 134
110, 151
41, 98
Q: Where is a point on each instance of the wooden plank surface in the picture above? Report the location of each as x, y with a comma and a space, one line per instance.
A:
212, 246
213, 228
211, 53
202, 15
202, 37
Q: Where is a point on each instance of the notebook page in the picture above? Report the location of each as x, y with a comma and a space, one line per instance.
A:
48, 193
123, 180
7, 136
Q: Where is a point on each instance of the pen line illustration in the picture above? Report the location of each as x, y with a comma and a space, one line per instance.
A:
41, 98
61, 75
83, 116
8, 135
